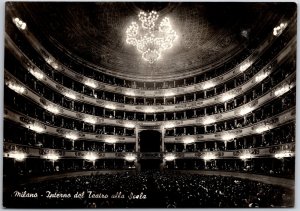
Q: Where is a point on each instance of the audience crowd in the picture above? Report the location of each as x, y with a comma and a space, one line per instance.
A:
152, 190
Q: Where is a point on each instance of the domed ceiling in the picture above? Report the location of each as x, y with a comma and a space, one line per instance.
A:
208, 33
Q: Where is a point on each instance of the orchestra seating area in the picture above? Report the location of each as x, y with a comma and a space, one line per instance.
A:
164, 190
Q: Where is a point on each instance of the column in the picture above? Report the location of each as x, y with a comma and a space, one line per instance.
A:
254, 141
137, 140
162, 140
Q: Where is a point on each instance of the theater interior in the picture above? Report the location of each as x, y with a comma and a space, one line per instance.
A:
149, 105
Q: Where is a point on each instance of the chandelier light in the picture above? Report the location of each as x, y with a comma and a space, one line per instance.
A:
90, 119
208, 85
90, 157
91, 83
228, 136
36, 73
261, 76
282, 90
18, 156
262, 129
227, 97
19, 23
209, 157
279, 29
169, 125
71, 136
52, 108
16, 87
245, 66
36, 127
284, 154
170, 157
245, 110
151, 39
110, 106
169, 94
209, 120
130, 125
130, 157
246, 156
188, 140
70, 95
51, 62
149, 110
130, 93
51, 156
111, 140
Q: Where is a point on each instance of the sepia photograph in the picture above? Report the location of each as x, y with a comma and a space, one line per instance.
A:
149, 105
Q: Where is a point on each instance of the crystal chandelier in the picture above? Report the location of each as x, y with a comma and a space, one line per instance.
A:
150, 39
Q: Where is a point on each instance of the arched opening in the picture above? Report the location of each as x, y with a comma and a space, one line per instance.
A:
150, 141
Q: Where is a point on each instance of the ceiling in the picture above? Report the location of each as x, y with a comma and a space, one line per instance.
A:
94, 33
